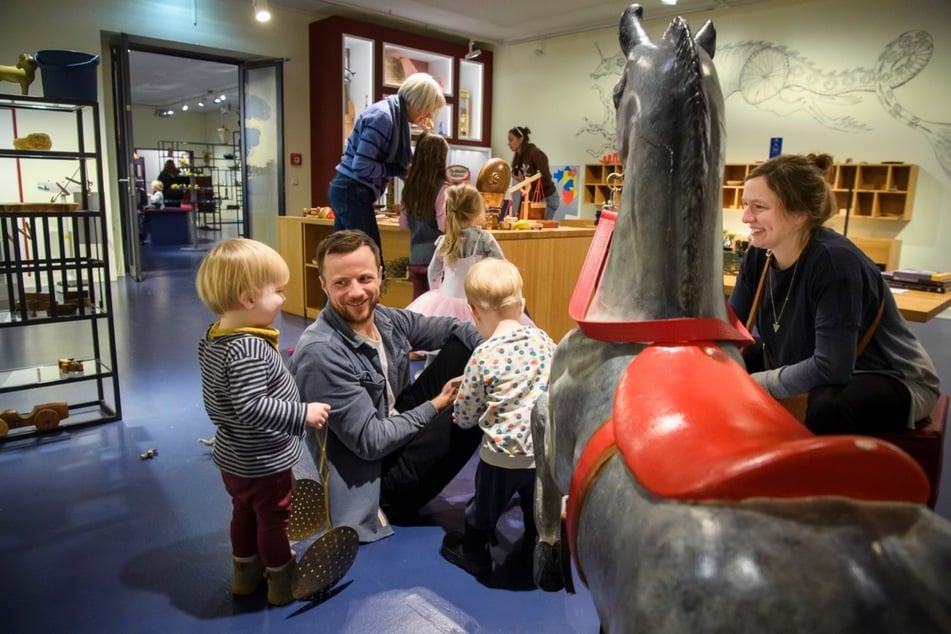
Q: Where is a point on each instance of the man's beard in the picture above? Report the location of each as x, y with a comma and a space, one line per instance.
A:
365, 310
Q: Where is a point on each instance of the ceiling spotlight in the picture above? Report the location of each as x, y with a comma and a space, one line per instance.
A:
201, 103
473, 52
223, 97
669, 3
262, 12
184, 107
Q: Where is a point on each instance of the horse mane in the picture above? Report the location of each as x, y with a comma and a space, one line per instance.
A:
694, 113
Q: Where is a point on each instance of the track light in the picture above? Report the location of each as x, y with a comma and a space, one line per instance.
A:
262, 12
473, 52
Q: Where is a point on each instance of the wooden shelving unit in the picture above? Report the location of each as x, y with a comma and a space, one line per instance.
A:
882, 191
597, 191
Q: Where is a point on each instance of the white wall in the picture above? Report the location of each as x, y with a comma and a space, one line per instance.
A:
832, 49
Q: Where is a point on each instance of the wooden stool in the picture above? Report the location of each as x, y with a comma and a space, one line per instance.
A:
925, 444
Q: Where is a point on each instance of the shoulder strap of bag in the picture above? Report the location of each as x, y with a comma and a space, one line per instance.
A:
751, 320
871, 330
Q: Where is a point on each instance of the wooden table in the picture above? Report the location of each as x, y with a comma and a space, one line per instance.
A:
549, 260
920, 306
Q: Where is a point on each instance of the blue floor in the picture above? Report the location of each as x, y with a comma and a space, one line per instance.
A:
95, 539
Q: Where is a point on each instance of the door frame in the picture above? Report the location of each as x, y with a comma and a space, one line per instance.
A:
121, 44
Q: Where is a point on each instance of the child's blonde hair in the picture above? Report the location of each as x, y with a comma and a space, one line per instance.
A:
159, 185
464, 203
237, 267
494, 285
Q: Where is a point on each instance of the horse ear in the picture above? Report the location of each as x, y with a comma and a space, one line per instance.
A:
706, 37
631, 31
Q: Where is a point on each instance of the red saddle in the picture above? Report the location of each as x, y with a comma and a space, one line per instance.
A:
693, 425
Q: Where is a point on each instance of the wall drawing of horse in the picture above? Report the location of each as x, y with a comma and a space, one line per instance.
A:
781, 80
694, 502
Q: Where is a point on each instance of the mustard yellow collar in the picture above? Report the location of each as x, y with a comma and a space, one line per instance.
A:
270, 334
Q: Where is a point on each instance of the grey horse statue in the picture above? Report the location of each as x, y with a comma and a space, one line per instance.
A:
685, 497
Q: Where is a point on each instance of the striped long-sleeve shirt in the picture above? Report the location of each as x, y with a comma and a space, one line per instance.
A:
254, 402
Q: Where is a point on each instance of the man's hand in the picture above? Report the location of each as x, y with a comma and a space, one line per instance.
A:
448, 394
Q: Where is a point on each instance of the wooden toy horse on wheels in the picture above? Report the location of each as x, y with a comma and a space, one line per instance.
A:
696, 503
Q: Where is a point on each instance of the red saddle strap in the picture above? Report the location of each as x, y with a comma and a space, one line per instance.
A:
646, 331
600, 448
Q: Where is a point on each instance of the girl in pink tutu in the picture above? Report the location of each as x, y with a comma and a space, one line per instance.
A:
464, 244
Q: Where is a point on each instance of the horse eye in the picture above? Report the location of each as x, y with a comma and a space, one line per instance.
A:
619, 91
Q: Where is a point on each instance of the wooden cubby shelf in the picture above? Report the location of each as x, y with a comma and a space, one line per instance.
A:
881, 191
596, 188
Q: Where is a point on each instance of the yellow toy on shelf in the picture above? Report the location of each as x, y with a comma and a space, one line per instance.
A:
23, 73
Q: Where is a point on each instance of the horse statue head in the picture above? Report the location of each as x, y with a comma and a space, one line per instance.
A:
670, 139
694, 501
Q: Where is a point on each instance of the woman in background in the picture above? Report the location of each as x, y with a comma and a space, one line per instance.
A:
379, 149
423, 208
528, 161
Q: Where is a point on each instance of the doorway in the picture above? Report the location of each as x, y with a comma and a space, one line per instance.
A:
189, 106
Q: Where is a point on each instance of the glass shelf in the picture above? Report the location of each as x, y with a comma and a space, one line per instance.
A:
37, 376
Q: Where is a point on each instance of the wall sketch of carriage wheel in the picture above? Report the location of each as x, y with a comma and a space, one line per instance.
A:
328, 559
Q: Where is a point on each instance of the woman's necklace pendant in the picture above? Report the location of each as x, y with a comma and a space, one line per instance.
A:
775, 326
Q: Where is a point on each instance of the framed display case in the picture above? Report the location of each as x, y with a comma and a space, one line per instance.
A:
354, 64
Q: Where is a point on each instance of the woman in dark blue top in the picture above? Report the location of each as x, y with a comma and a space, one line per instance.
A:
821, 294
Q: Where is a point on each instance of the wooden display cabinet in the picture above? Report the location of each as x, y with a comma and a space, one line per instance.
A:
354, 64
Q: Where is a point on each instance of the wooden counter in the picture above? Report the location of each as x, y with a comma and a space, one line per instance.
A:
549, 260
919, 306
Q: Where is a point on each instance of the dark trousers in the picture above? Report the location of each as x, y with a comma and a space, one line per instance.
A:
418, 471
261, 508
419, 275
353, 207
494, 487
868, 403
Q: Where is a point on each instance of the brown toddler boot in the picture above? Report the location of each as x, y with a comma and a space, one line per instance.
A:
248, 575
279, 581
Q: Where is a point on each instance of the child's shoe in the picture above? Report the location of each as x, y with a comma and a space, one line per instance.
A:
468, 550
248, 575
279, 582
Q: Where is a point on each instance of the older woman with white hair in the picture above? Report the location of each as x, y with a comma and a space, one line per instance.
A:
378, 149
